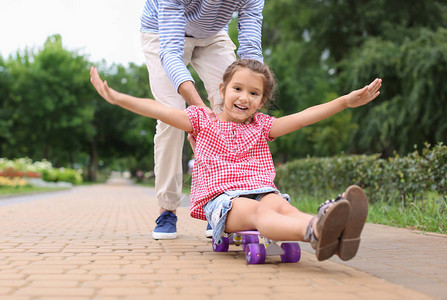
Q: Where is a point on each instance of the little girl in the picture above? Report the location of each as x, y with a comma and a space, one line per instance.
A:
232, 181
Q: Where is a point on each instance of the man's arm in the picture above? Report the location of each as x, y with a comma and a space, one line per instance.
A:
190, 94
250, 25
172, 24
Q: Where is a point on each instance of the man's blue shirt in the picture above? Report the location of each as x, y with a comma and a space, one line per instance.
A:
175, 19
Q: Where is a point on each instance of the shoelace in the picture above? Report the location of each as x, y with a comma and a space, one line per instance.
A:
329, 201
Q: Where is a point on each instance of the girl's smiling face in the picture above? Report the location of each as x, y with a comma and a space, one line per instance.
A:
243, 96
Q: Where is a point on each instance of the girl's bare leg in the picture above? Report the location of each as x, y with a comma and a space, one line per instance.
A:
272, 216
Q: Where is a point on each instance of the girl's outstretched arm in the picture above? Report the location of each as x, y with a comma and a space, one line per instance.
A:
145, 107
314, 114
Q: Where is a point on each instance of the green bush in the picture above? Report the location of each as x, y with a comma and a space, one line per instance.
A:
49, 175
396, 179
43, 167
63, 174
69, 175
24, 164
436, 166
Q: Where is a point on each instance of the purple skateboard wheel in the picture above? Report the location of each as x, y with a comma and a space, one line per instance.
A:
223, 246
255, 254
292, 252
249, 239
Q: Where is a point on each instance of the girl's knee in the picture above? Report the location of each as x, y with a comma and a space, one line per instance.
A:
243, 214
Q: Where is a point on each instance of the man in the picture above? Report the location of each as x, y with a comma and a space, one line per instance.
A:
174, 34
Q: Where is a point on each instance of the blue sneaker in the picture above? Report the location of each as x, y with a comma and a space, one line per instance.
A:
209, 231
166, 228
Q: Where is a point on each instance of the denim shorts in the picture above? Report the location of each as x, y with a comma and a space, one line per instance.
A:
216, 210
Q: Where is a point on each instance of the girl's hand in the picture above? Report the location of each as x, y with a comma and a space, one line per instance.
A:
365, 95
103, 89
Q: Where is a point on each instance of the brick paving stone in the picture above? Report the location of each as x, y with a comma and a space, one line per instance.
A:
54, 283
55, 292
95, 243
124, 291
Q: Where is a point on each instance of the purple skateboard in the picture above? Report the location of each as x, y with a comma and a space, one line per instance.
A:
256, 252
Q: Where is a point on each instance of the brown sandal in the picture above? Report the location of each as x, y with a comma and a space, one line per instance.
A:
332, 218
350, 238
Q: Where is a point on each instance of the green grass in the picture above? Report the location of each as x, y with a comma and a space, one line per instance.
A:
429, 217
13, 191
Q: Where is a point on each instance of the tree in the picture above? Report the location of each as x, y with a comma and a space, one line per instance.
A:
323, 48
122, 136
413, 106
50, 114
5, 109
304, 79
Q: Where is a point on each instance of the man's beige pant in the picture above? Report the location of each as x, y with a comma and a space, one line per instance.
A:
209, 57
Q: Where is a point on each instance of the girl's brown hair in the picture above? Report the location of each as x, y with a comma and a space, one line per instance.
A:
257, 67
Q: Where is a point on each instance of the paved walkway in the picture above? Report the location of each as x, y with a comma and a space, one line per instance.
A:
95, 243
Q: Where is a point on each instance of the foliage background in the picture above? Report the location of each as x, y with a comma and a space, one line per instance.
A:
319, 49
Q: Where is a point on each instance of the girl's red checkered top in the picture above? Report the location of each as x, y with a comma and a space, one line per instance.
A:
228, 156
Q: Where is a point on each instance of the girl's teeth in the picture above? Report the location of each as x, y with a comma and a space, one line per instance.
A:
240, 107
